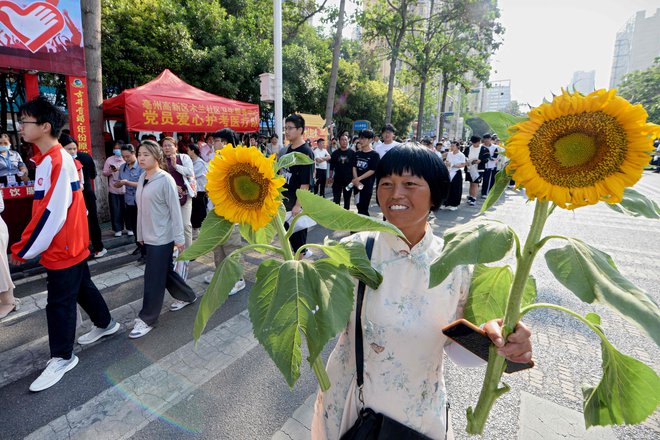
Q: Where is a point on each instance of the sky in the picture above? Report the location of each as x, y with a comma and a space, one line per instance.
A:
546, 41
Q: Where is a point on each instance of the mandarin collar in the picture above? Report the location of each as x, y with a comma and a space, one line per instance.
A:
398, 245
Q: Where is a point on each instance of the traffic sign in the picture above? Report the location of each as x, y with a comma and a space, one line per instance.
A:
447, 113
361, 125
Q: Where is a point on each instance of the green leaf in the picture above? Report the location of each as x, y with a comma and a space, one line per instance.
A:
295, 158
593, 318
502, 180
353, 255
332, 216
489, 293
264, 235
593, 277
636, 204
214, 232
294, 297
479, 241
628, 392
223, 281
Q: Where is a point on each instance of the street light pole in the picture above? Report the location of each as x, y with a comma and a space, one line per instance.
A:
277, 64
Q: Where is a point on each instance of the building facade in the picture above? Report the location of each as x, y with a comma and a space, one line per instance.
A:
583, 82
636, 46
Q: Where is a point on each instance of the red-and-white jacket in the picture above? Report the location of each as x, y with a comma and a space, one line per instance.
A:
58, 228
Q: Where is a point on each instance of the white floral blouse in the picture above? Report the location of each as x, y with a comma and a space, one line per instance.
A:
404, 344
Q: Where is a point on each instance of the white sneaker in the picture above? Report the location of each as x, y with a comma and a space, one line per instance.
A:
130, 233
139, 329
97, 333
118, 234
100, 253
306, 254
452, 208
55, 369
444, 207
240, 285
208, 278
178, 305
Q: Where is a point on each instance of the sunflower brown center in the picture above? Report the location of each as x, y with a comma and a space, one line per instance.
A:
578, 150
247, 185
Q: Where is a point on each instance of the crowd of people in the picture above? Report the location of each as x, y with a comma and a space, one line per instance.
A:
158, 196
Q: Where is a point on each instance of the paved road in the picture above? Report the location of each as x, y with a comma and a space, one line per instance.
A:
160, 387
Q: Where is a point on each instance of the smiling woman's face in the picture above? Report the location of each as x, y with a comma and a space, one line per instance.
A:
405, 201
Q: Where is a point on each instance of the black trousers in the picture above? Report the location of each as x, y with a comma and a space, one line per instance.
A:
319, 183
116, 202
66, 287
339, 188
455, 190
131, 217
297, 239
93, 221
198, 209
489, 180
158, 276
364, 199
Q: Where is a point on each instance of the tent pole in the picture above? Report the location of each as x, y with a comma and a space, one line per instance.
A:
277, 64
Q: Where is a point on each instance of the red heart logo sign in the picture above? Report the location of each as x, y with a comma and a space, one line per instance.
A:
33, 25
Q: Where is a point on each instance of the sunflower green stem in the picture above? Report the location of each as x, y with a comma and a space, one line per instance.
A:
491, 389
284, 239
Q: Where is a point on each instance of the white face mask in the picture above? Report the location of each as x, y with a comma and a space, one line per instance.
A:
4, 148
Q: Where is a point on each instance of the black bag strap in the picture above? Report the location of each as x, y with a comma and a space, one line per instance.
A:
359, 342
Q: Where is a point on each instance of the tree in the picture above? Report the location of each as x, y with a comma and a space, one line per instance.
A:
386, 23
513, 108
643, 87
336, 51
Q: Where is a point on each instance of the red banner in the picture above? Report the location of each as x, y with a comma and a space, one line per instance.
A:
162, 115
77, 102
17, 192
42, 35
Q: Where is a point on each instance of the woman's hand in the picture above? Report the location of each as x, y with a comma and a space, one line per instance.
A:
518, 347
180, 246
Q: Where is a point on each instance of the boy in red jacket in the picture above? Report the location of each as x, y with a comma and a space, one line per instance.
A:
58, 231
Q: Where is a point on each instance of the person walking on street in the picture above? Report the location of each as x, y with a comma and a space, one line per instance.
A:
127, 176
365, 162
490, 169
8, 303
159, 229
115, 195
57, 231
89, 174
388, 142
321, 159
476, 156
200, 202
298, 176
341, 170
454, 161
181, 168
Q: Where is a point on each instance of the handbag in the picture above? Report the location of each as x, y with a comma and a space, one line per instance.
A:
371, 425
180, 267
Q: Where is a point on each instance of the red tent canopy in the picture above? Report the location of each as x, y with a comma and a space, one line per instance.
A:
169, 104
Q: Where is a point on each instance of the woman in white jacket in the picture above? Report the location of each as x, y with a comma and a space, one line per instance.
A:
181, 168
159, 229
7, 301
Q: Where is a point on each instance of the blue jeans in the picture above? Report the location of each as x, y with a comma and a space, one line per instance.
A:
116, 202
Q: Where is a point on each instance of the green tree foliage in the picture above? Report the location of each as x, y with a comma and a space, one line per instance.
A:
643, 87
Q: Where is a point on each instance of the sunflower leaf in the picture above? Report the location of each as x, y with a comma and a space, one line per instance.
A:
214, 232
479, 241
264, 235
291, 298
489, 293
294, 158
353, 255
224, 278
636, 204
628, 392
593, 277
501, 181
332, 216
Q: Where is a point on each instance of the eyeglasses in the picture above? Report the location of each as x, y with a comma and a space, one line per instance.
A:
290, 127
27, 122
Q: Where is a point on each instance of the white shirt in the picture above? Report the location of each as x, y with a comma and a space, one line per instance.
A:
492, 163
381, 148
454, 159
321, 153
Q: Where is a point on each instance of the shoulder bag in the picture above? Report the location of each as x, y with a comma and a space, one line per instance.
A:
371, 425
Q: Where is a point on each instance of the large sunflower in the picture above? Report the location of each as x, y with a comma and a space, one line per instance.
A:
243, 186
579, 150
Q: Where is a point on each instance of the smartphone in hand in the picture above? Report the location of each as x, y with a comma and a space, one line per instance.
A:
474, 339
